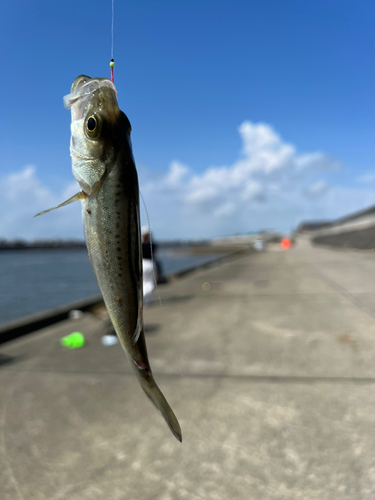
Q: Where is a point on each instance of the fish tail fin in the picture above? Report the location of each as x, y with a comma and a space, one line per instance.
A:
153, 392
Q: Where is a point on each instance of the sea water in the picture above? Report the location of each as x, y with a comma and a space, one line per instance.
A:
37, 280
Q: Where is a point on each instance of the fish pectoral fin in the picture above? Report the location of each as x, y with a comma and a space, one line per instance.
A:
138, 330
79, 196
139, 327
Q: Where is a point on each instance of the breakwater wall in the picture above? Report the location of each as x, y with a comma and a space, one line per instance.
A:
352, 231
34, 322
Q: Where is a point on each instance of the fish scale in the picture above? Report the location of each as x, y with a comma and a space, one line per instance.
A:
106, 219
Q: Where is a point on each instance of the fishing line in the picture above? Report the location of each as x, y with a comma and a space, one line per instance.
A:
153, 266
113, 24
112, 63
152, 253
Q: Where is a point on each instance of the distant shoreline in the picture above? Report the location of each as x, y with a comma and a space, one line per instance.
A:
62, 245
214, 245
42, 246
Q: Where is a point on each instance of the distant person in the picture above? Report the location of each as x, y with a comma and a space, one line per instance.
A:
146, 244
151, 264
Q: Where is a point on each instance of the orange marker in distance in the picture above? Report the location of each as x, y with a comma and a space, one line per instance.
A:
285, 243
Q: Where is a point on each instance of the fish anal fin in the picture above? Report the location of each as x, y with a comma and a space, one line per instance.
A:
138, 329
79, 196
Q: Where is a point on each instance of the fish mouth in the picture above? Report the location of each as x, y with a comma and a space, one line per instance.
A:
83, 88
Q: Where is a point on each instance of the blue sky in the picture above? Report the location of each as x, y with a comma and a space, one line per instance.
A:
245, 115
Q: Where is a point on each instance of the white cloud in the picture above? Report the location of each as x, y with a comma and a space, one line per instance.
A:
270, 185
263, 149
176, 173
24, 195
317, 189
368, 178
225, 210
315, 162
266, 165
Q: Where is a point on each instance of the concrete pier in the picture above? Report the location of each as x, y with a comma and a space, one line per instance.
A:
267, 359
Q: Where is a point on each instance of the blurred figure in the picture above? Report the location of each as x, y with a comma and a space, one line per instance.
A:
151, 265
259, 245
148, 280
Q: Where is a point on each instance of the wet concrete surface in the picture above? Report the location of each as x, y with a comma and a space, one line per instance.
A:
266, 359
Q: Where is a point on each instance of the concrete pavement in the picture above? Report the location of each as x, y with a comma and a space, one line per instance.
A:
267, 360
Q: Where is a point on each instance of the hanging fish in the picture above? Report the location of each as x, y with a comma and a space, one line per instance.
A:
103, 165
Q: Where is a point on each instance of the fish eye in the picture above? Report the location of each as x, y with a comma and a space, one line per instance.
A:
93, 125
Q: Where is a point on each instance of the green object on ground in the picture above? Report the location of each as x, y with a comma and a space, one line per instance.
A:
73, 341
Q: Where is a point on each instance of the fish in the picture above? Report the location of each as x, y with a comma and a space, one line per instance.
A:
104, 168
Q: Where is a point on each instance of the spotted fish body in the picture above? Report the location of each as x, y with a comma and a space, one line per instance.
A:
103, 165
